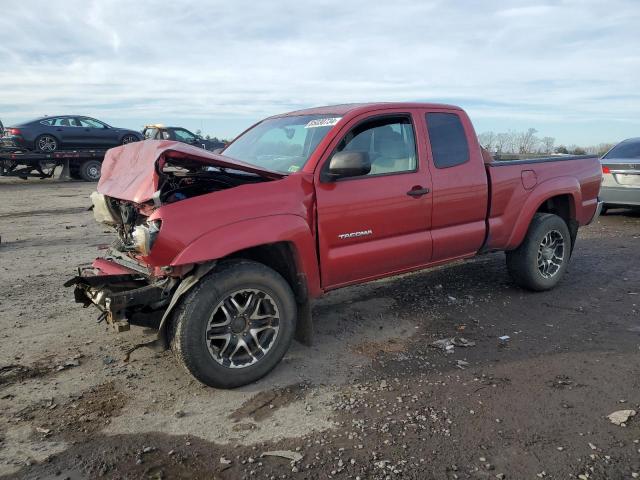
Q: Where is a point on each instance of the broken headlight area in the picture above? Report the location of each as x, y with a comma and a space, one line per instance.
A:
144, 236
136, 233
124, 299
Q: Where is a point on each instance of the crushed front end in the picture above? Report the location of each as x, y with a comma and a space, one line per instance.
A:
134, 281
124, 296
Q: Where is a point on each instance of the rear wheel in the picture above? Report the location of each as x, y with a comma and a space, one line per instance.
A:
129, 139
46, 143
542, 258
235, 326
89, 171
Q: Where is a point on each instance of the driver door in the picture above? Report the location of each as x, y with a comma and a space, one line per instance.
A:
376, 224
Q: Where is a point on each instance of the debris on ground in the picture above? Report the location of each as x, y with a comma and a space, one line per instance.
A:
504, 339
447, 344
621, 417
288, 454
108, 360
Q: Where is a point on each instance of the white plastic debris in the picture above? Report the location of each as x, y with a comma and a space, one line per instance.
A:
447, 344
288, 454
621, 416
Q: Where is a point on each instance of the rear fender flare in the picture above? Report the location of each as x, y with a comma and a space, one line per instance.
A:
540, 194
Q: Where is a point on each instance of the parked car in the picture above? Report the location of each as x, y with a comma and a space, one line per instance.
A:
179, 134
621, 175
49, 134
223, 253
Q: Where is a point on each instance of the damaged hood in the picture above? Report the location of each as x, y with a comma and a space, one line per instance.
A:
131, 172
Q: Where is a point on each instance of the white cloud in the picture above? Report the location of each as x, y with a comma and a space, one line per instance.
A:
555, 63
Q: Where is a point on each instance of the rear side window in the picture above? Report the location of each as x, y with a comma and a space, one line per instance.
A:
627, 149
448, 140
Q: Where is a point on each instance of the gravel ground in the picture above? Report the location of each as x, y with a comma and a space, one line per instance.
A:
371, 399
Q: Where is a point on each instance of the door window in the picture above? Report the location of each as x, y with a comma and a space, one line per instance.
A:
448, 141
388, 141
90, 123
151, 133
184, 135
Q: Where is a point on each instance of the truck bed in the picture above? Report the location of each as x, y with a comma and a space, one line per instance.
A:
553, 158
518, 188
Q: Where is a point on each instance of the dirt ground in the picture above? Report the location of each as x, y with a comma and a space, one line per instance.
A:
371, 399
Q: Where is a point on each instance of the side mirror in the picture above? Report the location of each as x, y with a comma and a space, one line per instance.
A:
349, 164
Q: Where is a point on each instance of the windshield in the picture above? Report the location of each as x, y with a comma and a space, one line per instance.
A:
281, 144
625, 150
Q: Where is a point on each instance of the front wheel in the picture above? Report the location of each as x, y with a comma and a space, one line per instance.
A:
235, 325
540, 261
128, 139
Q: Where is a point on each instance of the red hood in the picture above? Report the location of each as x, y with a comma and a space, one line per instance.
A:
129, 172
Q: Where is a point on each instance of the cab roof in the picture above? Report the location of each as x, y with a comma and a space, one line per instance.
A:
355, 108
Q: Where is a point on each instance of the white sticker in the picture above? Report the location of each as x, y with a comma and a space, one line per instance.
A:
322, 122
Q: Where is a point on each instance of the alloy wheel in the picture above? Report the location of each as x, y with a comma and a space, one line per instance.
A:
242, 328
551, 254
47, 143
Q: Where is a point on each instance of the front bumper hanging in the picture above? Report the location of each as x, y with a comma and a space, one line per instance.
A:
122, 298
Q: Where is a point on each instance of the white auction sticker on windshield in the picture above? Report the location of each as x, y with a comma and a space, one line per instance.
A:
322, 122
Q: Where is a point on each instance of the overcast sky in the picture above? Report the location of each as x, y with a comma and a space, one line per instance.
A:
570, 69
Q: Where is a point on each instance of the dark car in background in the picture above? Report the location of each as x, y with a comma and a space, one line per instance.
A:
180, 134
49, 134
621, 175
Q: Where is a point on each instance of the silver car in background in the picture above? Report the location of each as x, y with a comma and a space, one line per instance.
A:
621, 175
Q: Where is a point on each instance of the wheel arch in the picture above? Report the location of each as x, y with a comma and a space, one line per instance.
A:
564, 206
560, 196
282, 242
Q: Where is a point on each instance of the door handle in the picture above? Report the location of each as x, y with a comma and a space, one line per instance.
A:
418, 191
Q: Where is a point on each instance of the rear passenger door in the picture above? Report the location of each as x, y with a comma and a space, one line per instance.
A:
460, 187
375, 224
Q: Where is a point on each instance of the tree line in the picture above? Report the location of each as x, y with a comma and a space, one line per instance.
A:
527, 142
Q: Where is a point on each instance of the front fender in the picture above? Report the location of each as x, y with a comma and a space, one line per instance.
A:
231, 238
541, 193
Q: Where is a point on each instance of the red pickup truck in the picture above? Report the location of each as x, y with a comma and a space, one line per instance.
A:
222, 253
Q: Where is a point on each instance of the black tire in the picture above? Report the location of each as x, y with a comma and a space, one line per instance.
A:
192, 318
523, 263
128, 139
46, 143
89, 171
